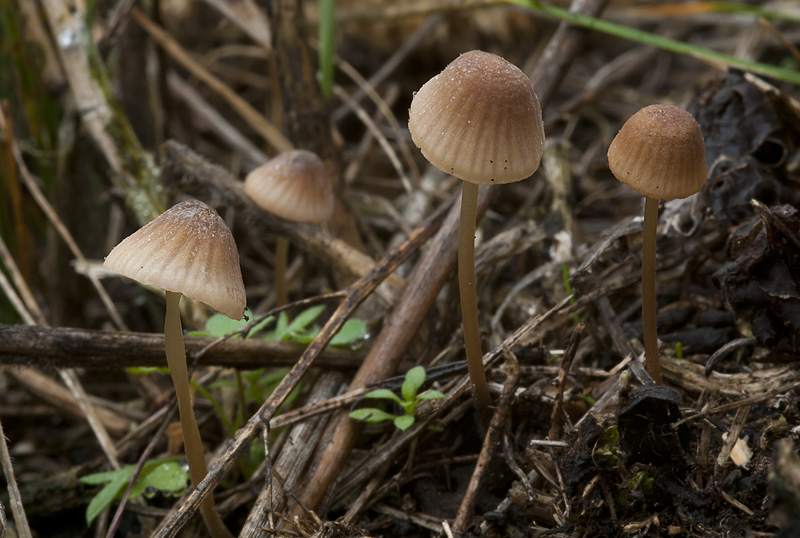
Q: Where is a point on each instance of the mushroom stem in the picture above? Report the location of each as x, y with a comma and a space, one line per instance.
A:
281, 259
652, 361
469, 299
195, 455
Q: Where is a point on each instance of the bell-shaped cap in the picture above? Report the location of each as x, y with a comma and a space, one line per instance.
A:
187, 249
293, 185
479, 120
660, 153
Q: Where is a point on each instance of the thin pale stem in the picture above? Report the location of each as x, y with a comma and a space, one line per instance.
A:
193, 444
469, 300
652, 361
281, 260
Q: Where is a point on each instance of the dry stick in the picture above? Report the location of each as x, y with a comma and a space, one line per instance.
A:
246, 15
15, 500
215, 121
100, 117
30, 304
489, 444
566, 363
565, 44
390, 65
59, 347
356, 294
652, 363
376, 132
385, 110
256, 120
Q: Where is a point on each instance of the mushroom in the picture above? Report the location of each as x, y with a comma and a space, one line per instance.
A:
187, 250
295, 186
480, 121
659, 153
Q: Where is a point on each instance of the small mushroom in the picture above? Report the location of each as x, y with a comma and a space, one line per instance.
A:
187, 250
480, 121
659, 153
295, 186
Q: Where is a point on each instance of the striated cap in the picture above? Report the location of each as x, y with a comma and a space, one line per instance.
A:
479, 120
187, 249
660, 153
293, 185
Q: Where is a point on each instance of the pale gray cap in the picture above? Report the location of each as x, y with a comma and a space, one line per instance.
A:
188, 249
660, 153
479, 120
293, 185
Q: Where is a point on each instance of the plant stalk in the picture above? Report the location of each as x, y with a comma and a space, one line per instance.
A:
652, 361
193, 444
469, 300
281, 260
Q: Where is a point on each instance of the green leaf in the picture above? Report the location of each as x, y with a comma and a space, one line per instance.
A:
258, 327
105, 497
431, 395
219, 325
144, 370
327, 44
384, 394
107, 476
414, 380
168, 477
281, 330
404, 422
306, 318
352, 332
165, 476
371, 415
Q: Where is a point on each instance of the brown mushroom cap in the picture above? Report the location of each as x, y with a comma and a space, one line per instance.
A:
187, 249
479, 120
293, 185
660, 153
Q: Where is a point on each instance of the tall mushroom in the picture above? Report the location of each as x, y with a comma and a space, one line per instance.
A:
480, 121
187, 250
295, 186
659, 153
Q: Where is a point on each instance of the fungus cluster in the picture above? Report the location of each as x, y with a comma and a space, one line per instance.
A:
480, 121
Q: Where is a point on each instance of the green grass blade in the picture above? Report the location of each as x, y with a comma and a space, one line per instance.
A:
640, 36
327, 44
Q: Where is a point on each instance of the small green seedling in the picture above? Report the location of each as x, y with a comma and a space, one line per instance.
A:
300, 330
678, 350
162, 475
415, 378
